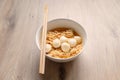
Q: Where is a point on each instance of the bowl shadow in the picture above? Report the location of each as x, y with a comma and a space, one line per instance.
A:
59, 71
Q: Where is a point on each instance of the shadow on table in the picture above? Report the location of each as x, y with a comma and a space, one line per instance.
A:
58, 71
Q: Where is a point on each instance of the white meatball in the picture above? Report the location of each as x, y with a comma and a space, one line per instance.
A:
72, 42
63, 39
65, 47
48, 47
78, 39
56, 43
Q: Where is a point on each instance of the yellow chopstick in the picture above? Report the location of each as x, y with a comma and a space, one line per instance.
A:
43, 51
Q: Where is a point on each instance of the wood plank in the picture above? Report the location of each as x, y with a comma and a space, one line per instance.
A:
19, 55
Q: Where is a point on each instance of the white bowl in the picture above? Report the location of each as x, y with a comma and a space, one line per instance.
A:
67, 23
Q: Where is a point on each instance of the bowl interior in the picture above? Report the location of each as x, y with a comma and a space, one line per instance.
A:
60, 23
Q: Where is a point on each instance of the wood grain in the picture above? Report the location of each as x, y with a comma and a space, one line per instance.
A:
19, 55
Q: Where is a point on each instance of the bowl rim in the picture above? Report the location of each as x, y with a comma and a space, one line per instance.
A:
62, 59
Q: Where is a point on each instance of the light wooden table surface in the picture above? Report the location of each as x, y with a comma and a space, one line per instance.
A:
19, 55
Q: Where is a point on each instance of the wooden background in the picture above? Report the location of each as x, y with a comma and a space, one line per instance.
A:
19, 55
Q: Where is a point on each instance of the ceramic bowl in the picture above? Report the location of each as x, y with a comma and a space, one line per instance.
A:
66, 23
